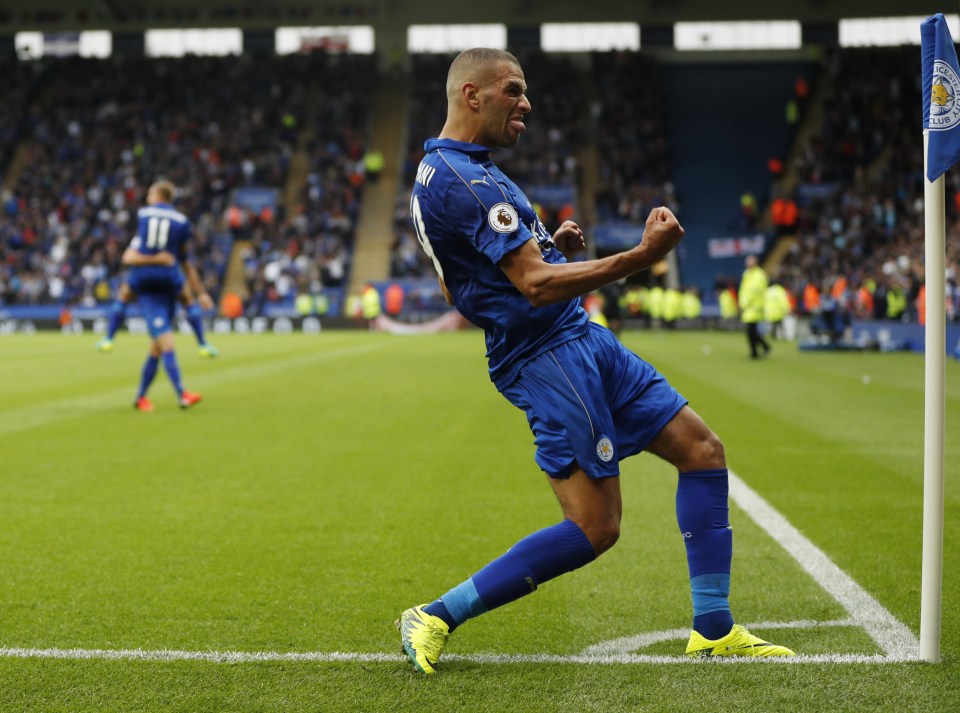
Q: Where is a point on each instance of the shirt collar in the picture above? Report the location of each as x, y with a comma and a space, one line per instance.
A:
475, 150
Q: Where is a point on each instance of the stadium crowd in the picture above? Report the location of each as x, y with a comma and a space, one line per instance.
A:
308, 248
102, 130
860, 237
98, 132
93, 134
629, 124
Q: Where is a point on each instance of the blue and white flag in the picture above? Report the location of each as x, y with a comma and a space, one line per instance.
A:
941, 95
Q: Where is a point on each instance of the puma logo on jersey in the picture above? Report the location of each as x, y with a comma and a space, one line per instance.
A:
479, 180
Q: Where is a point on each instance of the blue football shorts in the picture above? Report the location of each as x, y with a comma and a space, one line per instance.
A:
157, 289
157, 309
592, 402
155, 278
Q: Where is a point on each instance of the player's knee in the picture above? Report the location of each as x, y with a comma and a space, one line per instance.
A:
608, 537
603, 534
710, 452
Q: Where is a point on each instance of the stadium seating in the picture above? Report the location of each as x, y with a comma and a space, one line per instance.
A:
308, 249
860, 190
81, 139
99, 131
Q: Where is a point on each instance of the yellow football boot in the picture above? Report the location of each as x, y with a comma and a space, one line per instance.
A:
423, 637
739, 642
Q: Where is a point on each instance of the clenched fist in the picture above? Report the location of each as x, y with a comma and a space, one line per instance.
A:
662, 232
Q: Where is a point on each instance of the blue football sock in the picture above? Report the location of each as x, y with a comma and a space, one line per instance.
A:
438, 608
173, 371
195, 320
534, 560
146, 375
710, 596
703, 516
118, 312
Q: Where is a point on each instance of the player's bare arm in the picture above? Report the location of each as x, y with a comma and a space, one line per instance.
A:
196, 284
134, 258
544, 283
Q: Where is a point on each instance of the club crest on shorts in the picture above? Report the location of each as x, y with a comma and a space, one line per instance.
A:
605, 449
158, 322
944, 104
503, 218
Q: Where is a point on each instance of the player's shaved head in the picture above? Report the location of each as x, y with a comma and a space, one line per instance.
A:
486, 98
164, 190
477, 65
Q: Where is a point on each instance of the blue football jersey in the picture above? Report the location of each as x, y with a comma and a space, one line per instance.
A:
160, 227
468, 215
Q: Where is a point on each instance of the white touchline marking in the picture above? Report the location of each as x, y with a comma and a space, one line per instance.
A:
896, 641
893, 637
335, 657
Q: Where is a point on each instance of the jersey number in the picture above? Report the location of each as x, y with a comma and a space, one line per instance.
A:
422, 235
158, 230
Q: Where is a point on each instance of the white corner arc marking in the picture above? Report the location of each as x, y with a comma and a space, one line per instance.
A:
631, 644
893, 637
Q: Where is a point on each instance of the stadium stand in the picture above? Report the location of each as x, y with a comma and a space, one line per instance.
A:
99, 131
307, 250
859, 241
630, 128
713, 175
270, 155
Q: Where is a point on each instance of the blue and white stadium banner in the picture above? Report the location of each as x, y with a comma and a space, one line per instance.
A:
736, 247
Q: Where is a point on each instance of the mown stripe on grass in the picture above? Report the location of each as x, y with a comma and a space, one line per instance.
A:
21, 419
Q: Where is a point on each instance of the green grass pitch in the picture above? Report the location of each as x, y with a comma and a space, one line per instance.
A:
329, 481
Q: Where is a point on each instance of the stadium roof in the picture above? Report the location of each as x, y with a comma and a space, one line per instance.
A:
51, 15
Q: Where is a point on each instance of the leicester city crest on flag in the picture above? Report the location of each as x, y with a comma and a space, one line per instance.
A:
941, 95
944, 107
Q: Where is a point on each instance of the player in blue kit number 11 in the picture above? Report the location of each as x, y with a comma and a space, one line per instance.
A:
589, 401
154, 258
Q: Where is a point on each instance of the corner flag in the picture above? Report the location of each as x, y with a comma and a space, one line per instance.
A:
941, 94
941, 148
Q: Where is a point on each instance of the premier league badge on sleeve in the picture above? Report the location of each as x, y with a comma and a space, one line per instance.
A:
503, 218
